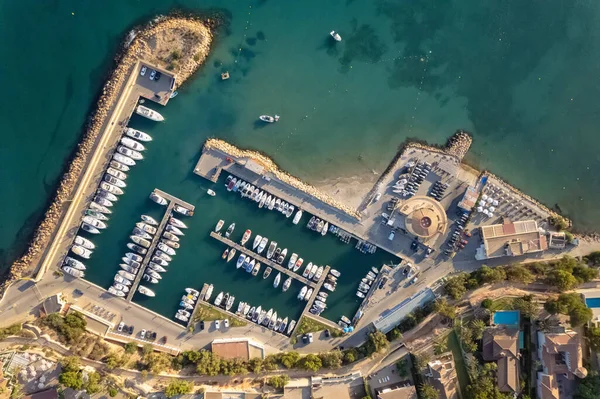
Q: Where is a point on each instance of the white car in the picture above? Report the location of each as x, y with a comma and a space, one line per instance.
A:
143, 334
152, 74
226, 323
217, 324
310, 338
143, 71
121, 325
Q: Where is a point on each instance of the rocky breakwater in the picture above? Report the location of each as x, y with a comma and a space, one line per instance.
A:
458, 144
187, 42
271, 167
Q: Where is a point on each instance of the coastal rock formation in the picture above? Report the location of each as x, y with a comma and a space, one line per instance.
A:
458, 144
190, 39
272, 168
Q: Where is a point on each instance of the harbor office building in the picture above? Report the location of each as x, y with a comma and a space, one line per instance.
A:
511, 239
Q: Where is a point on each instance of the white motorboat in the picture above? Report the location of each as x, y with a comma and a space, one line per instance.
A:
122, 280
289, 211
231, 183
237, 185
313, 271
277, 280
192, 291
297, 217
186, 306
121, 287
149, 220
264, 199
318, 273
158, 199
209, 292
141, 233
272, 321
247, 263
102, 193
131, 262
246, 236
302, 293
181, 317
111, 189
146, 291
119, 166
81, 251
231, 254
240, 261
157, 268
173, 95
165, 248
129, 153
115, 292
84, 242
256, 242
74, 263
259, 196
140, 241
154, 274
325, 228
170, 236
285, 208
132, 144
286, 284
146, 227
138, 135
150, 279
135, 257
271, 249
73, 272
182, 210
174, 230
269, 118
89, 228
99, 224
292, 260
125, 160
219, 225
360, 294
160, 261
277, 206
149, 113
335, 273
184, 313
271, 202
100, 208
268, 317
116, 173
298, 265
211, 192
308, 294
283, 325
126, 274
160, 254
307, 270
219, 299
229, 302
101, 201
291, 327
177, 223
230, 230
246, 309
172, 244
282, 256
262, 245
114, 181
189, 299
255, 314
336, 36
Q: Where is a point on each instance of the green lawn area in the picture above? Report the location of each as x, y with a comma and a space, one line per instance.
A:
502, 304
309, 325
461, 368
208, 313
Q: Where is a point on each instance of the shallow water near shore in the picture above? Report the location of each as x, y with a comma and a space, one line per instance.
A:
521, 77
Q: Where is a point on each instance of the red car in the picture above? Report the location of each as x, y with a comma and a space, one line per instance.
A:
464, 242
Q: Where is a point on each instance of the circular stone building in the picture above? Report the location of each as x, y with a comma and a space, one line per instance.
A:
424, 217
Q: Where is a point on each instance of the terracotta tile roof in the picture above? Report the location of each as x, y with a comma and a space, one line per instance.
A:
547, 387
501, 344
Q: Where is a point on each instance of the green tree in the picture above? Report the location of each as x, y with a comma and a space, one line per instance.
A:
278, 381
428, 391
440, 346
290, 359
446, 310
561, 279
588, 387
584, 274
331, 359
377, 342
558, 222
395, 334
310, 362
71, 379
455, 286
147, 349
526, 305
113, 360
594, 338
131, 347
477, 327
255, 365
178, 387
270, 363
208, 363
488, 275
112, 392
487, 303
573, 305
519, 273
402, 367
92, 385
421, 361
350, 356
158, 362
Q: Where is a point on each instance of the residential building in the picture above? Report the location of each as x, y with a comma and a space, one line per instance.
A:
237, 348
501, 345
511, 239
562, 360
442, 375
406, 392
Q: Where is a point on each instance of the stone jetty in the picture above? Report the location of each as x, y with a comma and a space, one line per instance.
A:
179, 44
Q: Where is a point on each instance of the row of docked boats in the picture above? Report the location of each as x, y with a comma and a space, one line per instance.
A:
160, 200
365, 284
262, 198
318, 225
188, 301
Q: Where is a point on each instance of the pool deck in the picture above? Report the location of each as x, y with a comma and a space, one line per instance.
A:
156, 238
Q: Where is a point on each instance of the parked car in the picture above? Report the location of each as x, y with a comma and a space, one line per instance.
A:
152, 74
310, 338
143, 334
217, 324
382, 283
226, 323
153, 336
121, 325
327, 333
202, 325
391, 236
130, 330
143, 71
158, 75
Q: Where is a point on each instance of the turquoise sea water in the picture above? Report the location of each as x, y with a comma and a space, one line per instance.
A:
521, 76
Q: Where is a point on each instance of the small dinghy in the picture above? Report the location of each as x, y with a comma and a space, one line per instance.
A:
269, 118
336, 36
211, 192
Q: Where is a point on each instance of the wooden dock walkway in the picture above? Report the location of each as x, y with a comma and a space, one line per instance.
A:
264, 261
312, 299
159, 230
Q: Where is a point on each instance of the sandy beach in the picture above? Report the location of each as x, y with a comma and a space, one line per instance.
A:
348, 190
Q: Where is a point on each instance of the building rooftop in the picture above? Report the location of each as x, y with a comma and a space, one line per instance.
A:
561, 353
469, 200
443, 377
502, 345
423, 217
407, 392
231, 395
237, 348
391, 318
511, 239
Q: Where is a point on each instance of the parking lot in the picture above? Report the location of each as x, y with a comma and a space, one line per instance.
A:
155, 89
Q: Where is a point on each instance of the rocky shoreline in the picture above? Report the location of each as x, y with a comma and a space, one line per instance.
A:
191, 30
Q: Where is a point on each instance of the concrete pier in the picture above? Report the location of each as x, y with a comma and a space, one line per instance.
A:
200, 299
267, 262
156, 238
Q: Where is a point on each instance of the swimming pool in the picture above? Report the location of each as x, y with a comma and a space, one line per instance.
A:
592, 302
507, 317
